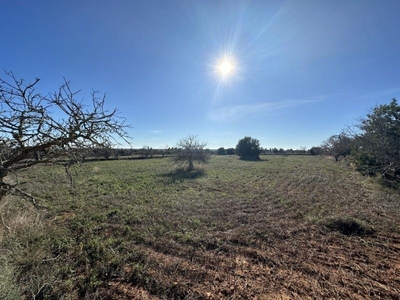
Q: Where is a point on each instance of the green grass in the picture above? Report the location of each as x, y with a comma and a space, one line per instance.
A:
9, 289
227, 229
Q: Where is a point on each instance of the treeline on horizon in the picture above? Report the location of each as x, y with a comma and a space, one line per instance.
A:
148, 152
105, 153
372, 145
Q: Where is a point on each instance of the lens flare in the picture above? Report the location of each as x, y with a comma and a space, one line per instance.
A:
225, 67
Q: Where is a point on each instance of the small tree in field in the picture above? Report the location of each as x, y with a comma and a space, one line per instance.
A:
316, 151
147, 151
221, 151
189, 151
54, 128
248, 148
230, 151
338, 145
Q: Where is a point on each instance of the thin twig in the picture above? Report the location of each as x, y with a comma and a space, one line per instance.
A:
40, 292
7, 227
25, 194
50, 259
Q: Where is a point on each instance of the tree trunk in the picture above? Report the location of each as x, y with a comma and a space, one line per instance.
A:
3, 188
190, 167
3, 185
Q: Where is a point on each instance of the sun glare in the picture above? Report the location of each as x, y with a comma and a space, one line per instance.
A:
225, 67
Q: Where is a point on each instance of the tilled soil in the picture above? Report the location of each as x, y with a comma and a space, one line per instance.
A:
265, 252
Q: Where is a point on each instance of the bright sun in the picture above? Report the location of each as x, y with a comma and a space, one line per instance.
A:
225, 67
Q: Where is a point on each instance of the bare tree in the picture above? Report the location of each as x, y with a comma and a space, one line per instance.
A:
147, 151
166, 150
55, 128
338, 145
189, 151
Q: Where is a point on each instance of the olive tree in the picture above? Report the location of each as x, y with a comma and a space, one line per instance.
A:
189, 151
248, 148
221, 151
53, 128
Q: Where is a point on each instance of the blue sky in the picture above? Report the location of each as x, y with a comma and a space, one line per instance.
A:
302, 70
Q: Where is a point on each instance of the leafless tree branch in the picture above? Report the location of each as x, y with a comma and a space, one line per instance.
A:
190, 151
54, 128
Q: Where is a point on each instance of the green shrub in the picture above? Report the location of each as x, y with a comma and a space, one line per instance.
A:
379, 150
316, 151
230, 151
248, 148
366, 163
221, 151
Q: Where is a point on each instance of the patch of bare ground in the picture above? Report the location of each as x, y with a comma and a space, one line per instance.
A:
316, 270
266, 252
120, 290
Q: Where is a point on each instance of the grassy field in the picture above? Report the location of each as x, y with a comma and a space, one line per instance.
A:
285, 227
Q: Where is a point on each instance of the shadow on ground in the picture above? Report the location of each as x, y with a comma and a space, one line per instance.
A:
251, 158
350, 226
390, 182
181, 174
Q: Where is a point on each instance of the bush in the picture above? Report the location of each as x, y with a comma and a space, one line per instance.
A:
230, 151
221, 151
316, 151
366, 163
379, 150
248, 148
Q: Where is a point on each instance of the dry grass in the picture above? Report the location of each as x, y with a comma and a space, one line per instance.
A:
281, 228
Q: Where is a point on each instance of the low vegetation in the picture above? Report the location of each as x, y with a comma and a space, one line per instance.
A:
373, 143
284, 227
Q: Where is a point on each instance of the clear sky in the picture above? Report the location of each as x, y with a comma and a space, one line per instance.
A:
301, 70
